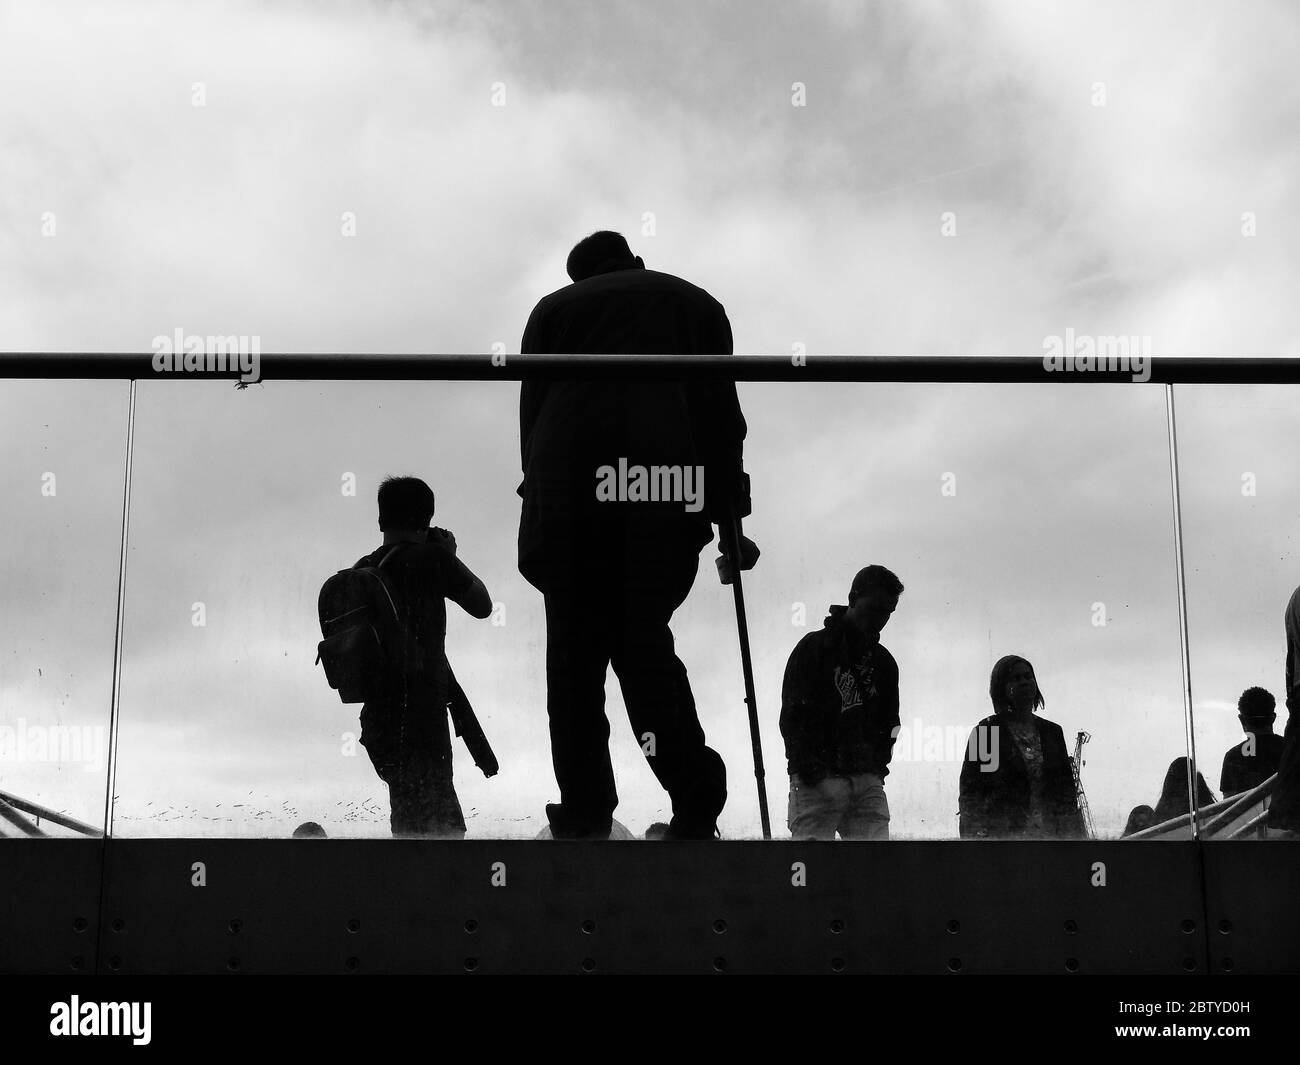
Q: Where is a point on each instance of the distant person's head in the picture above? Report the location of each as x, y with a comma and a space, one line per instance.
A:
405, 504
1173, 793
309, 830
601, 253
1013, 686
1256, 710
873, 597
1139, 818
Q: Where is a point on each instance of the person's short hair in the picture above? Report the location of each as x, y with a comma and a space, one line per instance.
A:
309, 830
998, 682
404, 503
591, 254
875, 578
1256, 704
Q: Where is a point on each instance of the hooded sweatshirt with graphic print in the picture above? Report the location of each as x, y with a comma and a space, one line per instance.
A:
839, 703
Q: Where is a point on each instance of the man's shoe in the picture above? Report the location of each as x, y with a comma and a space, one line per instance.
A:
562, 826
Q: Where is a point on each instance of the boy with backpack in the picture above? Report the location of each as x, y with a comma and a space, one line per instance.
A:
385, 623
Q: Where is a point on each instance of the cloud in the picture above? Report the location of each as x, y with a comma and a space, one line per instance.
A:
816, 225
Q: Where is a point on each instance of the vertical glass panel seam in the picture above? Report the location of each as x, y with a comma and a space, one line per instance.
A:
115, 703
1184, 643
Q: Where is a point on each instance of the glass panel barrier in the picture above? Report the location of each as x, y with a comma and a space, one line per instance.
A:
1030, 520
1025, 520
62, 487
1236, 445
245, 502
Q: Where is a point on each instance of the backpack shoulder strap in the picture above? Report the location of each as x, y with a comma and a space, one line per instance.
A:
391, 552
383, 583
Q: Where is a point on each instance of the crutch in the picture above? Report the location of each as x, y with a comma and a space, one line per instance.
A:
731, 534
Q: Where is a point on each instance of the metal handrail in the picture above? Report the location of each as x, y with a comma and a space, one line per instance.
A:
36, 810
1238, 802
18, 821
485, 366
1257, 822
1163, 828
1235, 805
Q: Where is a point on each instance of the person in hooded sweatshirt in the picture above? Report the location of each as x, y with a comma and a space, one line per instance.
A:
839, 716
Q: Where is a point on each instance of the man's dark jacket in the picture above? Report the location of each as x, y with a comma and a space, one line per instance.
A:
839, 703
569, 429
996, 804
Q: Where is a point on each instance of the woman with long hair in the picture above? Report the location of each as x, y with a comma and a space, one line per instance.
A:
1174, 801
1016, 782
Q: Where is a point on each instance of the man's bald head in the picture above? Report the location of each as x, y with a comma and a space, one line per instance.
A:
600, 253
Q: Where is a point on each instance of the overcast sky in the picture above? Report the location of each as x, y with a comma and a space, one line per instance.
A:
1102, 165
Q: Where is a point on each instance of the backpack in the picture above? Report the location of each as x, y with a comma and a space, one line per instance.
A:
365, 645
364, 642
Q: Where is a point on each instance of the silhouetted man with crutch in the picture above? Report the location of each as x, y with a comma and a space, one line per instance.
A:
622, 480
